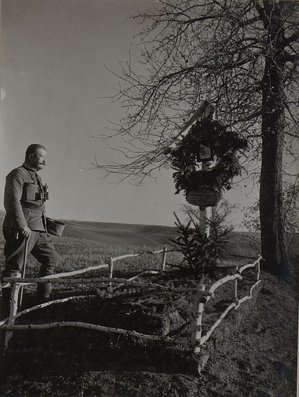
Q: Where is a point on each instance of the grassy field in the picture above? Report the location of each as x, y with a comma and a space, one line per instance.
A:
120, 233
256, 362
90, 243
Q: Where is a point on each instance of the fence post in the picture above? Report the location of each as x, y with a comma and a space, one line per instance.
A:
111, 266
163, 264
14, 298
198, 312
258, 270
236, 289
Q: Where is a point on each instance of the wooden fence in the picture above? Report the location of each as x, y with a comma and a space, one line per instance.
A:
201, 298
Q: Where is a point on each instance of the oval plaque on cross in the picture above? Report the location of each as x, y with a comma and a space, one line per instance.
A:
203, 197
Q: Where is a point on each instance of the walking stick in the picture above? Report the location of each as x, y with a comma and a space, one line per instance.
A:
24, 269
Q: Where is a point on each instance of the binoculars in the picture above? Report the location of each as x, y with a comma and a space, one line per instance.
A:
34, 193
45, 193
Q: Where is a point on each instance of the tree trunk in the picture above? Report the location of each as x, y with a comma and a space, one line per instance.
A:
273, 236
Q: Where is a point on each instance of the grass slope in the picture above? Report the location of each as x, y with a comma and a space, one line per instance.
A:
120, 233
240, 243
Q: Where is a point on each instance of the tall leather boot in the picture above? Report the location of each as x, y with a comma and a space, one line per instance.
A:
4, 313
6, 294
44, 291
5, 304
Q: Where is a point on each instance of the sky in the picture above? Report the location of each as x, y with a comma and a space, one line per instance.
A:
54, 92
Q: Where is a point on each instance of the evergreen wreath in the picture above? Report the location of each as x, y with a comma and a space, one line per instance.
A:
186, 156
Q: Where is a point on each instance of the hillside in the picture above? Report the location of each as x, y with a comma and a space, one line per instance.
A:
120, 233
154, 236
240, 243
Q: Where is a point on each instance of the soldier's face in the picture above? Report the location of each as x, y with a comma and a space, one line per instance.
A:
38, 159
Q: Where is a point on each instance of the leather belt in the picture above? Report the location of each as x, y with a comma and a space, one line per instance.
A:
32, 206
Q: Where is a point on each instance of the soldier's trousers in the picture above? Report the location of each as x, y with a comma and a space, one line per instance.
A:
41, 246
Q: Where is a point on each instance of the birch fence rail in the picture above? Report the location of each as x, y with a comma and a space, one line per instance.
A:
201, 297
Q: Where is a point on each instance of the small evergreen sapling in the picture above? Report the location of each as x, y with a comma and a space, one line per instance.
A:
200, 252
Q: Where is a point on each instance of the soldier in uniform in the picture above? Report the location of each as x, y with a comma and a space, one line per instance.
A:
25, 218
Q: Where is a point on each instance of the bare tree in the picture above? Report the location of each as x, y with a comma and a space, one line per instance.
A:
242, 56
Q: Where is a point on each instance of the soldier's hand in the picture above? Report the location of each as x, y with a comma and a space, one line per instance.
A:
25, 231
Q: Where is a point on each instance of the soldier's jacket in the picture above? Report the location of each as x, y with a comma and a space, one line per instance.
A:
24, 200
